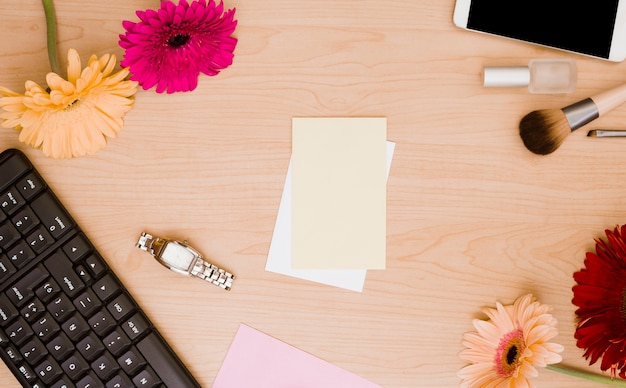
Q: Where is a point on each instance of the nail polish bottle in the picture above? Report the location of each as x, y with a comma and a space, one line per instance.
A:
542, 76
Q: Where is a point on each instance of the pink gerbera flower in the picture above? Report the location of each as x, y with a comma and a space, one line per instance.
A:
171, 46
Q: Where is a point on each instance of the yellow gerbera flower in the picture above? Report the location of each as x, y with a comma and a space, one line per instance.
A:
504, 350
72, 117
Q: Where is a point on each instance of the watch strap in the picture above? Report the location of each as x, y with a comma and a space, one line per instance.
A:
212, 274
150, 244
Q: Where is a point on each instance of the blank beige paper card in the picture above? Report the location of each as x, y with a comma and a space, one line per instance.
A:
339, 193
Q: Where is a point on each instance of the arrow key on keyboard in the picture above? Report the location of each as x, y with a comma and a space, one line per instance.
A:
77, 247
106, 287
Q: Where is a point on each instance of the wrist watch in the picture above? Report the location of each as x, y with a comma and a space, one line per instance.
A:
183, 259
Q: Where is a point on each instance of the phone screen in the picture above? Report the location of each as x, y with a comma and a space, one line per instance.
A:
582, 27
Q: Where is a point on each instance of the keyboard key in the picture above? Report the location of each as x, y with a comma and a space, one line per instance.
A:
87, 303
61, 308
39, 384
39, 240
60, 346
106, 287
52, 215
19, 331
131, 361
30, 185
121, 307
33, 351
23, 289
47, 290
89, 381
105, 366
45, 327
12, 353
63, 382
11, 201
62, 271
8, 235
119, 381
170, 370
75, 327
6, 268
75, 366
90, 347
48, 371
32, 310
146, 379
7, 310
102, 322
96, 265
77, 248
117, 342
84, 275
12, 168
4, 340
24, 220
27, 373
136, 326
20, 254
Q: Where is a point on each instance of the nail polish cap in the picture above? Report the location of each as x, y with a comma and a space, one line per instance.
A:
495, 76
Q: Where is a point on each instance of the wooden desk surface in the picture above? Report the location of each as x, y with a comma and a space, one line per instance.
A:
473, 217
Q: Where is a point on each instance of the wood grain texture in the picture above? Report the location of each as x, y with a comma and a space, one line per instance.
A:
472, 217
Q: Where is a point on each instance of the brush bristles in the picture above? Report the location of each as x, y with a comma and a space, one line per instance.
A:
543, 131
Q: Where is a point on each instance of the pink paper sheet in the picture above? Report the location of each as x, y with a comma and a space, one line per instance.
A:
256, 360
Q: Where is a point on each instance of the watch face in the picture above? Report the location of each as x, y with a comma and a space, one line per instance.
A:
177, 256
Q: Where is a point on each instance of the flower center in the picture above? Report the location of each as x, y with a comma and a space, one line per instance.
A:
178, 40
72, 105
509, 352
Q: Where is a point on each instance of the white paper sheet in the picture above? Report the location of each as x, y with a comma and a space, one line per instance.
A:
279, 257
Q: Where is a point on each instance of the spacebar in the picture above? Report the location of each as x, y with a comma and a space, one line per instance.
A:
164, 363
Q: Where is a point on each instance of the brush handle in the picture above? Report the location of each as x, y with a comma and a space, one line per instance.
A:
581, 113
589, 109
610, 99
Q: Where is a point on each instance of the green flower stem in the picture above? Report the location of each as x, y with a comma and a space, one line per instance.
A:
51, 27
616, 382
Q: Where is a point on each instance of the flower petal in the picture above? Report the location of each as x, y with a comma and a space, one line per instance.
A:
505, 349
76, 116
170, 47
599, 295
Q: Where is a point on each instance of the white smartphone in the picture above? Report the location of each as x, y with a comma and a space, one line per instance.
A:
593, 28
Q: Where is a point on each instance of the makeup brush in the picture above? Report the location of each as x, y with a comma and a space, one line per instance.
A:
607, 133
543, 131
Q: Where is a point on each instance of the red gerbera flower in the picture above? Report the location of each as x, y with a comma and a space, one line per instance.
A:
171, 46
601, 299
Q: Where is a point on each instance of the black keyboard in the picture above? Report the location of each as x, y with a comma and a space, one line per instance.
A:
65, 318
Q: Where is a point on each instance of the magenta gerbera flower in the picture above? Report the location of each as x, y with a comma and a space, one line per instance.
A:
171, 46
